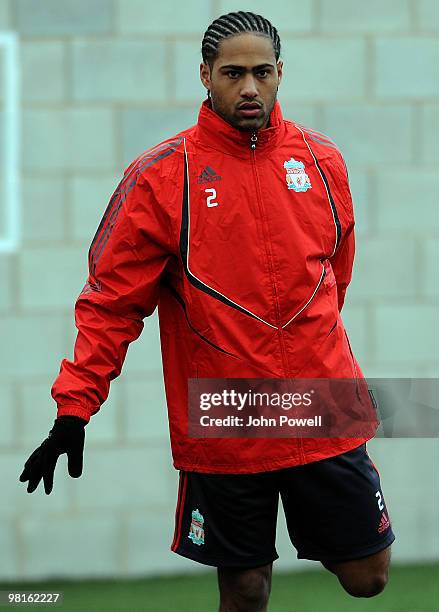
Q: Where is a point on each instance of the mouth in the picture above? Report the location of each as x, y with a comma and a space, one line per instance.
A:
249, 109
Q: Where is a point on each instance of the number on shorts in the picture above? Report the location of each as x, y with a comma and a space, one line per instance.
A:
379, 500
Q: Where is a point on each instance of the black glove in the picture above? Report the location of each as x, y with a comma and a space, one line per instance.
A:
66, 436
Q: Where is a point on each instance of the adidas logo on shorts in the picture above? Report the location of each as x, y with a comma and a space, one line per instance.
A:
384, 523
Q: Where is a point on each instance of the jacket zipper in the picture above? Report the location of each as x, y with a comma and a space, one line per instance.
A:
253, 143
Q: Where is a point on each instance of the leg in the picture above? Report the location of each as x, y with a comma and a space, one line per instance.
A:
337, 505
364, 577
244, 590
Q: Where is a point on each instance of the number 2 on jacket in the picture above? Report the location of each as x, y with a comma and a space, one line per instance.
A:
211, 197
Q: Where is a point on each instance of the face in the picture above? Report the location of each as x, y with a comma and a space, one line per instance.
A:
243, 81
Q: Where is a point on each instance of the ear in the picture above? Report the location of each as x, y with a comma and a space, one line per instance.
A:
205, 75
279, 68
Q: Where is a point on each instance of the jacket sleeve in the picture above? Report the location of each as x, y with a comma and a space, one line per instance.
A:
342, 263
126, 258
343, 259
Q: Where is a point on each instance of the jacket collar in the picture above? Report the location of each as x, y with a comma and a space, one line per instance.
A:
215, 132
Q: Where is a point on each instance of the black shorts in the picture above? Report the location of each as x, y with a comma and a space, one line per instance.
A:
334, 509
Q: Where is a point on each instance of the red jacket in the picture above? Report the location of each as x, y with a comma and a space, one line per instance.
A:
247, 249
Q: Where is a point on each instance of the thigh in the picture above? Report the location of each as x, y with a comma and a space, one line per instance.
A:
227, 520
335, 508
375, 564
365, 577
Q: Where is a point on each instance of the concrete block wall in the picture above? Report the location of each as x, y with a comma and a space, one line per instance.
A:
104, 80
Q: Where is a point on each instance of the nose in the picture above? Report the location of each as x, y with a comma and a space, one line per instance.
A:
249, 88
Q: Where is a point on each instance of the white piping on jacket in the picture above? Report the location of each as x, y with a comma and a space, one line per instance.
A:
324, 184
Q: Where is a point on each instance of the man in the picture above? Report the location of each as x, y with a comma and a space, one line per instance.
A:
240, 228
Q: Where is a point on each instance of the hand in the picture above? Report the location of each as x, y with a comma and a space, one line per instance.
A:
66, 436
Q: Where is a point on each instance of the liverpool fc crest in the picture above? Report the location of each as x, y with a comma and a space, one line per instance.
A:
296, 176
196, 531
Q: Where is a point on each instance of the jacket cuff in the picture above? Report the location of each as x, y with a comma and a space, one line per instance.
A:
73, 410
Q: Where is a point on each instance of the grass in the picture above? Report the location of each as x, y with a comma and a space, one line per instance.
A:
410, 589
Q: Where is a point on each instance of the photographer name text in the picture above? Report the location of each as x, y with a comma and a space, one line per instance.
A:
260, 421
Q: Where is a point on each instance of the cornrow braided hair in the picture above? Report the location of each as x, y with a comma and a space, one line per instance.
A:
233, 24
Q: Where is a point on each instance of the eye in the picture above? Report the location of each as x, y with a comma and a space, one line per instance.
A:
262, 74
233, 74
